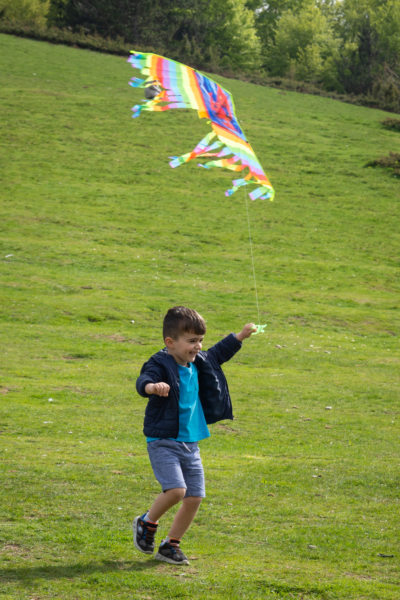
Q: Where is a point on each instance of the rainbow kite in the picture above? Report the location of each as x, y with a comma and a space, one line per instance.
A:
170, 84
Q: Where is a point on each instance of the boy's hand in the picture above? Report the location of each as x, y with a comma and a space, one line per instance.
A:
246, 331
158, 389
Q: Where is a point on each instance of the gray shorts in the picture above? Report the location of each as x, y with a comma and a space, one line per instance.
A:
177, 465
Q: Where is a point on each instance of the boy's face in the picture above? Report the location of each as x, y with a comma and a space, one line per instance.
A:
185, 347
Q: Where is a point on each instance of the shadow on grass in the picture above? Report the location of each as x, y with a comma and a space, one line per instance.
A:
71, 571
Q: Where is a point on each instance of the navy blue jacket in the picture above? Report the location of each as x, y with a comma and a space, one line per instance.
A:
162, 413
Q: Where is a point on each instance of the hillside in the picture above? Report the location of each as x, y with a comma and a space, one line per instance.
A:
99, 238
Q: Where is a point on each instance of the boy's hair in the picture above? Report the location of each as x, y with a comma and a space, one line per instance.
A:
180, 320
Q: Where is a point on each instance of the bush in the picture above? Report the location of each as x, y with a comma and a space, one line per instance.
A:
391, 162
69, 38
392, 124
386, 94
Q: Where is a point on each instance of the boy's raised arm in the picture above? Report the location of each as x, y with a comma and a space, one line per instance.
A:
223, 350
246, 332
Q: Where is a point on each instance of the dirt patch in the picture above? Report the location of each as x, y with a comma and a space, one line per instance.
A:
359, 576
14, 549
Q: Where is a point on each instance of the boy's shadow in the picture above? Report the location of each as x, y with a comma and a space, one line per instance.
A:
76, 570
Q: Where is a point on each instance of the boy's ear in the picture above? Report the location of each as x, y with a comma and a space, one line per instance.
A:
169, 342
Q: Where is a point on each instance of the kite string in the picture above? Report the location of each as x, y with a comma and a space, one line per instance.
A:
252, 255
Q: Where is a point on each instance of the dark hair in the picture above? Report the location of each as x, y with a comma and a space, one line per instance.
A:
180, 320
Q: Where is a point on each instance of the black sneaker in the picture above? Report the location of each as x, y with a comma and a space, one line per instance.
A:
143, 535
171, 553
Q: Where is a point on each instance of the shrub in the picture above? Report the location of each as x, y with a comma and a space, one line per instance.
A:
386, 94
391, 162
392, 124
69, 38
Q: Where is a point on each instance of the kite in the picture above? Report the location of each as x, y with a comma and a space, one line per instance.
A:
170, 84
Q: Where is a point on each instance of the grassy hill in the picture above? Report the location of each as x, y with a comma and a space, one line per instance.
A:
99, 238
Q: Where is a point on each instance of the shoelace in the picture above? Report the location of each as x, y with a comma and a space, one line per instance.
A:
149, 532
175, 549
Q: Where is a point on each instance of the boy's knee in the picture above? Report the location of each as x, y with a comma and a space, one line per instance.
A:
194, 500
176, 494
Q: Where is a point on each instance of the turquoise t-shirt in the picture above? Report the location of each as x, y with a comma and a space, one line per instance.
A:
192, 422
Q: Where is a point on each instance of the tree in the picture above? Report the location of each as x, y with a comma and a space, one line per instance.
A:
305, 46
204, 33
370, 47
108, 18
267, 15
212, 33
32, 11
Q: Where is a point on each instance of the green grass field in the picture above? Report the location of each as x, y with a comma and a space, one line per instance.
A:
99, 238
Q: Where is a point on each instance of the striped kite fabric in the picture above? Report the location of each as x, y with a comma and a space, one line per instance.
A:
170, 84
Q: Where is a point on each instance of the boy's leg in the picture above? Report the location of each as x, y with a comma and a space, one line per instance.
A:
165, 460
169, 550
178, 464
184, 517
145, 527
194, 478
164, 502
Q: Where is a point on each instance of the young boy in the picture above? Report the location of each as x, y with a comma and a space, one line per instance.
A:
187, 390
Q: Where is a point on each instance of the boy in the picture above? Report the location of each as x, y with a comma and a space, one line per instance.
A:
187, 390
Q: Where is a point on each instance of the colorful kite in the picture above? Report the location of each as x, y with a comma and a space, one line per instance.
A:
170, 84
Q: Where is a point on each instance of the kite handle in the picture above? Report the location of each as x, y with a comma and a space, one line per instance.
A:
259, 329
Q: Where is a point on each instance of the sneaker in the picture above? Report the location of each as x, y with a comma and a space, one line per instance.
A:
171, 553
143, 535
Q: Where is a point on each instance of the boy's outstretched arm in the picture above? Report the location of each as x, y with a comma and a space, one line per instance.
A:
222, 351
246, 332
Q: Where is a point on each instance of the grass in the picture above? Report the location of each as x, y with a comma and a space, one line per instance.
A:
99, 238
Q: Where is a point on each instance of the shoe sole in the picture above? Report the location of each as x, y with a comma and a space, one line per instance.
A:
163, 558
134, 526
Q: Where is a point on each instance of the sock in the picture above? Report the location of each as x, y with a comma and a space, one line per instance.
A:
172, 541
146, 518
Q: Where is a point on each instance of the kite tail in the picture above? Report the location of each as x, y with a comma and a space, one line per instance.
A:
237, 183
234, 163
264, 193
137, 82
227, 163
202, 148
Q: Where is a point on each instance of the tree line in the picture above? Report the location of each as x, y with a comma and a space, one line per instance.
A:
343, 46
